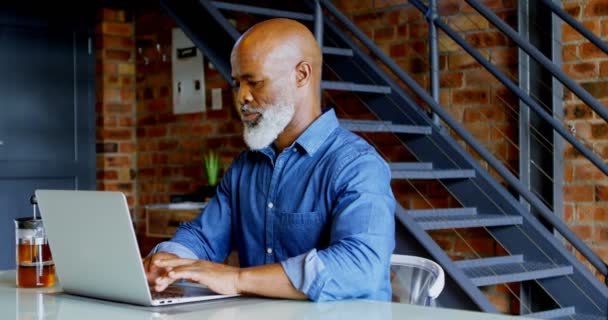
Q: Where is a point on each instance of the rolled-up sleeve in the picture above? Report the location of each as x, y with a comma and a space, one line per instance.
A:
356, 263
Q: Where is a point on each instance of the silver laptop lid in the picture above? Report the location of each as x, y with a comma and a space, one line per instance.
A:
94, 245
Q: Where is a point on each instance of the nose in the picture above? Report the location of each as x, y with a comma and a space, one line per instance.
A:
244, 95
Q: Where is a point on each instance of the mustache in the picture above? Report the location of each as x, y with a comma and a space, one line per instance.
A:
248, 108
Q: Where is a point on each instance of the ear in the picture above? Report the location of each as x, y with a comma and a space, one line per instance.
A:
303, 73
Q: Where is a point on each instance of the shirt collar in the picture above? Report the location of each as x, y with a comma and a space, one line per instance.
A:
314, 136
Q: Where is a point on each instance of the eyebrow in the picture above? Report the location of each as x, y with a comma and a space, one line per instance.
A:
245, 76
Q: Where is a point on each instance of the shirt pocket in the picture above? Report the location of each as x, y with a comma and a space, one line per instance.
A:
299, 232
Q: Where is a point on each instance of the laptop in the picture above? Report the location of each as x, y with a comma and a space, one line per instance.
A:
96, 253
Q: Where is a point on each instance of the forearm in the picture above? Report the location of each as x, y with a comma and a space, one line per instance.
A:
269, 281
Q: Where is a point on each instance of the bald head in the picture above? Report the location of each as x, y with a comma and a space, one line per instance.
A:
281, 41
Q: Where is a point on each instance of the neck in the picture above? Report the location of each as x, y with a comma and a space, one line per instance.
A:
304, 116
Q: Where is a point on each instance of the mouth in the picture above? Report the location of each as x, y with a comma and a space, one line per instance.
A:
250, 116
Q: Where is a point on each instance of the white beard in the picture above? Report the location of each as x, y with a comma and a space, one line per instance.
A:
272, 121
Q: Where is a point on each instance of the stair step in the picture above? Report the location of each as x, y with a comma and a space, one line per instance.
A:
471, 221
338, 51
561, 313
355, 87
262, 11
411, 165
582, 317
443, 212
383, 126
433, 174
489, 271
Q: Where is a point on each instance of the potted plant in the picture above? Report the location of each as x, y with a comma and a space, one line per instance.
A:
212, 169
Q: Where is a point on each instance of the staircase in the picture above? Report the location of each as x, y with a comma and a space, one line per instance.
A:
533, 253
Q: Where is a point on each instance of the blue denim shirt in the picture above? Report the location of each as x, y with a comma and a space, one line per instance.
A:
323, 208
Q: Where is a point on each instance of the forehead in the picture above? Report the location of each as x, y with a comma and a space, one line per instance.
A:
257, 59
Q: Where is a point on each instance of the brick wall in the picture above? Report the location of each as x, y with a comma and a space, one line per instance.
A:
471, 95
115, 109
585, 187
170, 147
143, 149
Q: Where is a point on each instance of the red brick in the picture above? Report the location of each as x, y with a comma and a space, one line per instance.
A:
107, 121
573, 8
107, 175
111, 95
604, 69
486, 39
479, 77
597, 89
577, 193
116, 28
116, 161
398, 50
583, 232
155, 132
570, 53
470, 97
127, 147
118, 55
462, 61
599, 130
127, 95
585, 170
107, 68
115, 134
114, 42
596, 8
385, 33
568, 213
107, 14
601, 193
448, 7
577, 112
125, 121
582, 71
504, 57
591, 51
126, 80
451, 80
419, 30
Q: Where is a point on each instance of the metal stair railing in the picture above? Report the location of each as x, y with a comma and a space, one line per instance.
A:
534, 201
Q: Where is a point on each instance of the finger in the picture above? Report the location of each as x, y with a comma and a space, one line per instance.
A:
170, 263
161, 283
179, 274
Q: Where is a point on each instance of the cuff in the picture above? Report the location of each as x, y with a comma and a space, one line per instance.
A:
177, 249
306, 273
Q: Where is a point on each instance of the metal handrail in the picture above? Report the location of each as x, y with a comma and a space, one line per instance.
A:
543, 210
540, 58
576, 25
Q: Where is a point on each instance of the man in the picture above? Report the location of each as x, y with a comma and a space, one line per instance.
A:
309, 207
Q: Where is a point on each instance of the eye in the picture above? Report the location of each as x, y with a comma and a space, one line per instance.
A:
236, 84
255, 83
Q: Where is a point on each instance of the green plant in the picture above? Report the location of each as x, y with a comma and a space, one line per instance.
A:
212, 167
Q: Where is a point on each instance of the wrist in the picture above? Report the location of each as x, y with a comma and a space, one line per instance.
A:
239, 280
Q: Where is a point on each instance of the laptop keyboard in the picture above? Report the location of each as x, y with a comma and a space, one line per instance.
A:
181, 291
170, 292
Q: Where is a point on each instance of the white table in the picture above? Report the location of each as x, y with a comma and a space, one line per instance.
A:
51, 303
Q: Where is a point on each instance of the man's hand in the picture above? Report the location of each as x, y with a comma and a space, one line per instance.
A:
220, 278
153, 271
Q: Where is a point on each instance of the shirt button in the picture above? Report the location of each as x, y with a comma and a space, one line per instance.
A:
269, 250
270, 205
295, 149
